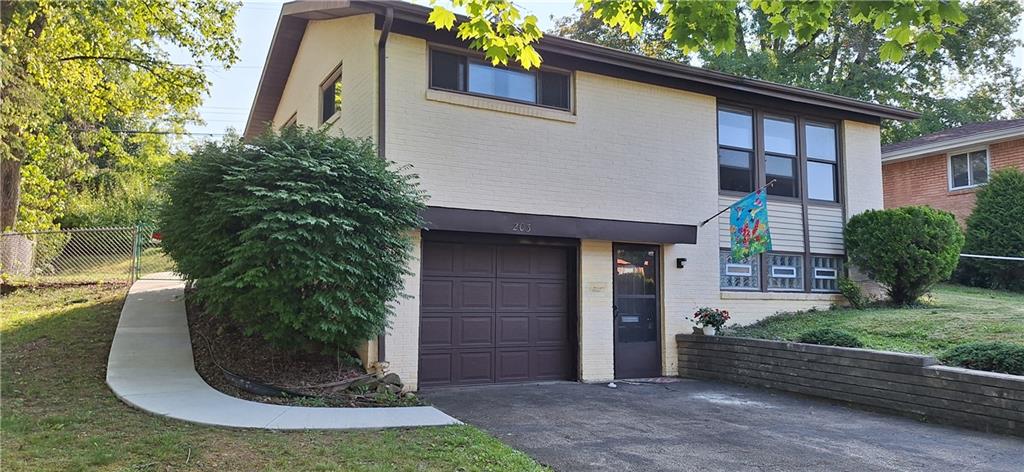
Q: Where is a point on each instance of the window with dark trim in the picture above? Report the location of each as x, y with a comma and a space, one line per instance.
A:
461, 73
822, 177
735, 150
331, 95
291, 121
757, 146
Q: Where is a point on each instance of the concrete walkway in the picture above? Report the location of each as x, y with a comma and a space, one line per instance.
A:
151, 368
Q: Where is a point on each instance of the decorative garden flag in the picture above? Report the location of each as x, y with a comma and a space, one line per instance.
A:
748, 225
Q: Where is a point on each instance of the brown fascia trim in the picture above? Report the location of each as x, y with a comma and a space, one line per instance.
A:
411, 19
528, 224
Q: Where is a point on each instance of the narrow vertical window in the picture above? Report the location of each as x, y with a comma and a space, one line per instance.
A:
331, 95
822, 182
735, 150
780, 156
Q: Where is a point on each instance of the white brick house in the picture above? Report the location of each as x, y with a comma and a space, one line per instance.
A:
562, 238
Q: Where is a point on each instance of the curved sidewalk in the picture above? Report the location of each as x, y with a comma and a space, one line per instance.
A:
151, 368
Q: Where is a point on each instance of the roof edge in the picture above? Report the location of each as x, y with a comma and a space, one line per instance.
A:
929, 149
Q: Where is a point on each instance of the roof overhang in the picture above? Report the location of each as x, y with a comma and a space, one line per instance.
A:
949, 145
295, 16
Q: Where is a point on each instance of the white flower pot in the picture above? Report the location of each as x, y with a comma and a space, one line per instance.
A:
708, 330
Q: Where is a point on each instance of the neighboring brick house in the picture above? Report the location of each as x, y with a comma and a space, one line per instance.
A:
562, 237
944, 169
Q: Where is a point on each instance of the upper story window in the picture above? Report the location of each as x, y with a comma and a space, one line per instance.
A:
755, 148
735, 150
821, 161
968, 169
460, 73
330, 95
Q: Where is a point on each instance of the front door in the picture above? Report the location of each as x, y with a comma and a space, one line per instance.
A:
635, 287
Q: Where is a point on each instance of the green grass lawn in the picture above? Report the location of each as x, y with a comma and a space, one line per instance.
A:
58, 413
953, 315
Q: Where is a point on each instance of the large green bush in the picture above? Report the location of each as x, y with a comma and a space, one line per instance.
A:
300, 237
989, 355
996, 228
829, 337
907, 250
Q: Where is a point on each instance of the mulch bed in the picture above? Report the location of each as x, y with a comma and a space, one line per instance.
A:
313, 379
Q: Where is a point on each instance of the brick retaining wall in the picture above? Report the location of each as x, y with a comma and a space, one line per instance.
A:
906, 384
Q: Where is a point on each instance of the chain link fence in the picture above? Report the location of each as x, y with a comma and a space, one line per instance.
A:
81, 256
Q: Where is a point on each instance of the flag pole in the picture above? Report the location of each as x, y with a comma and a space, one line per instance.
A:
702, 223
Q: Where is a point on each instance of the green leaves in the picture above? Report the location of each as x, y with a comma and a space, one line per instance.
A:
494, 26
300, 236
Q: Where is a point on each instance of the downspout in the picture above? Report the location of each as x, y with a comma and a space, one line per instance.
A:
389, 19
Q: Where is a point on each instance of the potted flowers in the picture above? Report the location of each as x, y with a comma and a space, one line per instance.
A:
710, 320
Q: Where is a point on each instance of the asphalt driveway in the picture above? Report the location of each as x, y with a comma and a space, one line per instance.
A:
697, 425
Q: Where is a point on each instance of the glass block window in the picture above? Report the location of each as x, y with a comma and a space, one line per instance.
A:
785, 272
738, 275
826, 271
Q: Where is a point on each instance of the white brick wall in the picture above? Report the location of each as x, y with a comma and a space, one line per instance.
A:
351, 42
401, 344
596, 360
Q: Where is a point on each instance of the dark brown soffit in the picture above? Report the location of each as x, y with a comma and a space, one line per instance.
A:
524, 224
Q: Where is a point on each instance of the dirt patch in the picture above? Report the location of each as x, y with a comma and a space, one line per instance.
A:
227, 359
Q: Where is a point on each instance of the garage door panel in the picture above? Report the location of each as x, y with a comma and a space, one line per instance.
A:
475, 295
437, 295
453, 259
549, 296
437, 331
513, 261
513, 365
513, 330
475, 330
549, 262
550, 364
435, 368
474, 367
513, 295
550, 329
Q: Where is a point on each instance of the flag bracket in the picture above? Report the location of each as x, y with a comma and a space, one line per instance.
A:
723, 210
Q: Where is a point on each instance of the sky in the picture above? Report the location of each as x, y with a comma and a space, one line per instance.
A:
232, 91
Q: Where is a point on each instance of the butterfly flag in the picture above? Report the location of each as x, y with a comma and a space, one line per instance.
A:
748, 226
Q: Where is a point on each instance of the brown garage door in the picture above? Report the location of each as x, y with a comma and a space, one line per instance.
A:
494, 313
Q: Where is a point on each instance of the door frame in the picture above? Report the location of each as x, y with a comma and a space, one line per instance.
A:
657, 306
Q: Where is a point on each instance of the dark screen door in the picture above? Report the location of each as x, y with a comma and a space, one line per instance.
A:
635, 288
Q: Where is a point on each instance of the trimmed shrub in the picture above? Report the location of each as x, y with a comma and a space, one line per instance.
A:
907, 250
829, 337
993, 356
853, 293
300, 237
995, 229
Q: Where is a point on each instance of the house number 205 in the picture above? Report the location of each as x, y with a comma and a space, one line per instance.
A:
522, 227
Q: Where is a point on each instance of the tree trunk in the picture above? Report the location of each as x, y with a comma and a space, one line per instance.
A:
10, 192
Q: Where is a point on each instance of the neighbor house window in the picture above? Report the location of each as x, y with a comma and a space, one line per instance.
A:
825, 273
968, 169
738, 275
821, 161
735, 150
460, 73
330, 95
785, 272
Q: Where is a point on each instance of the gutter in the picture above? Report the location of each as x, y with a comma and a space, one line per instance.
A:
389, 19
